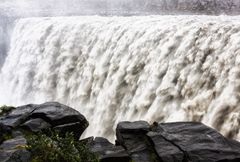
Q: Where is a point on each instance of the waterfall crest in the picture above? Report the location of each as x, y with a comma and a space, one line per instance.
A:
154, 68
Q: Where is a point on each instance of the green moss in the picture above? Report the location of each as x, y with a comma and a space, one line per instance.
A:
7, 136
5, 109
54, 148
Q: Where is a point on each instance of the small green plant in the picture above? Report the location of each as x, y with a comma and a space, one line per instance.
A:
7, 136
53, 148
5, 109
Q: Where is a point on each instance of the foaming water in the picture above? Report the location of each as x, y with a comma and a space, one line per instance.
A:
154, 68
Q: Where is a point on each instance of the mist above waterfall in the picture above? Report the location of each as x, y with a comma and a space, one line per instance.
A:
117, 7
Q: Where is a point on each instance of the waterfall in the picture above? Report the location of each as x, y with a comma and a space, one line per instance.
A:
154, 68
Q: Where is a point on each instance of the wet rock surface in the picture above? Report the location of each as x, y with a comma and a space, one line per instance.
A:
166, 142
199, 142
132, 136
48, 115
176, 142
135, 141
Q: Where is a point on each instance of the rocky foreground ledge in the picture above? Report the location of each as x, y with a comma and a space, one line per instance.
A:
136, 141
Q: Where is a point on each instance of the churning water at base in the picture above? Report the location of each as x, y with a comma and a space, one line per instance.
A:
154, 68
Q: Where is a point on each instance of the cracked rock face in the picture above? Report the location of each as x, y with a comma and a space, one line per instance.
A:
10, 153
35, 118
106, 151
48, 115
136, 141
176, 142
199, 142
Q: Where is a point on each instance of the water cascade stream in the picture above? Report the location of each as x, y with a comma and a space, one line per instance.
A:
154, 68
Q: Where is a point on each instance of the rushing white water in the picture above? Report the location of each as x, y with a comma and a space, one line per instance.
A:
154, 68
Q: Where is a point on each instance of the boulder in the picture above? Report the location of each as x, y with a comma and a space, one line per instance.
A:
48, 115
35, 118
199, 143
124, 128
176, 142
132, 136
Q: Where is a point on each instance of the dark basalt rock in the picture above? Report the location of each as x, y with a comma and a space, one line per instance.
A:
4, 130
106, 151
165, 150
48, 115
136, 141
132, 136
200, 143
9, 151
35, 118
35, 125
17, 116
124, 128
176, 142
58, 114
